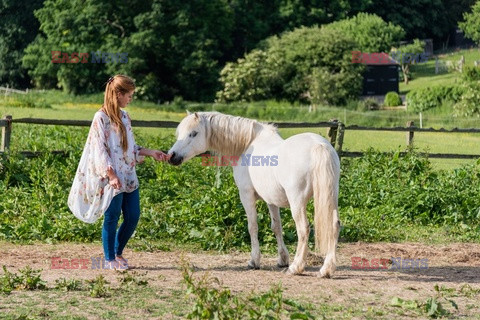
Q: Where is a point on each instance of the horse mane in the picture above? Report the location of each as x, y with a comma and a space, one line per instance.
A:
231, 135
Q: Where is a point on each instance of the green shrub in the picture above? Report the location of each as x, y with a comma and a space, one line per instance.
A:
306, 64
423, 99
471, 74
199, 205
368, 104
392, 99
469, 103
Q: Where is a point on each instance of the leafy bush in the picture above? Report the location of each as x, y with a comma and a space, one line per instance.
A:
380, 196
392, 99
368, 104
304, 64
470, 74
469, 103
370, 32
423, 99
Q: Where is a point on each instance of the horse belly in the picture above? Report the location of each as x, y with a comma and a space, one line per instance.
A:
267, 188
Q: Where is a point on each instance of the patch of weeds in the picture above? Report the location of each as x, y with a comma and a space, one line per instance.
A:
8, 281
68, 284
99, 287
468, 291
133, 278
433, 307
28, 279
444, 291
217, 303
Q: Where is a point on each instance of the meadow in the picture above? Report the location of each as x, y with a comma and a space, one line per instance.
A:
385, 200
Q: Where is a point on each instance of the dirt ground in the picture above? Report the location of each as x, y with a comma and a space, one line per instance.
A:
451, 266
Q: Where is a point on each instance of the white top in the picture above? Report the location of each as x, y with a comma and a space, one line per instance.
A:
90, 195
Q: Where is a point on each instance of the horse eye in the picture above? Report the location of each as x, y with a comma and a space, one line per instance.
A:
193, 134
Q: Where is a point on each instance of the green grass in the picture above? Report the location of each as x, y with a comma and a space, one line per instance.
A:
58, 105
423, 75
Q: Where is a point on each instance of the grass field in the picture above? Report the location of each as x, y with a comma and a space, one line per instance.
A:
423, 75
62, 106
386, 204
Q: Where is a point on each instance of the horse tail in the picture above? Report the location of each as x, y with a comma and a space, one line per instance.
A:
326, 175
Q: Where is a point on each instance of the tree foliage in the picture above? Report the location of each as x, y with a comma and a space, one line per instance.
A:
177, 49
370, 32
406, 55
471, 25
284, 67
311, 64
18, 28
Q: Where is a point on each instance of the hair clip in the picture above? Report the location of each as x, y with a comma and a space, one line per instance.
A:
109, 81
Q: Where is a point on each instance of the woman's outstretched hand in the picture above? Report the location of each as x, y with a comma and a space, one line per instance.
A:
160, 156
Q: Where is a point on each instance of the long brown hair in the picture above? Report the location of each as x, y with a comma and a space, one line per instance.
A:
115, 85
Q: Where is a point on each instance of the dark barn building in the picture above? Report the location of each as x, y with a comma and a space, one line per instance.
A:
379, 79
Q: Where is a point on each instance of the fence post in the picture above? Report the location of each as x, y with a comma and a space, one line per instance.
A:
6, 134
410, 124
341, 133
332, 132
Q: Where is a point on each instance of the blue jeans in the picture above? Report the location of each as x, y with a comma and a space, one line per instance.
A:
115, 241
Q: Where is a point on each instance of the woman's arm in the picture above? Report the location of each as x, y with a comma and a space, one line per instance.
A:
156, 154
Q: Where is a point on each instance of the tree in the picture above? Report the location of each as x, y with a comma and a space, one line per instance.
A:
471, 25
18, 28
370, 32
409, 54
419, 18
78, 26
177, 48
295, 66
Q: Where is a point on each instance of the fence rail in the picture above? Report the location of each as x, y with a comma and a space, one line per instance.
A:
336, 132
8, 90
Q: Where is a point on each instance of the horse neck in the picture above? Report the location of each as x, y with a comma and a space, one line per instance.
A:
231, 136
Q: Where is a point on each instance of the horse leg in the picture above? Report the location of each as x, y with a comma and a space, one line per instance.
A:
299, 213
276, 225
248, 200
329, 264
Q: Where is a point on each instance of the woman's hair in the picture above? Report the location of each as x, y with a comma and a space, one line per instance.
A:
115, 85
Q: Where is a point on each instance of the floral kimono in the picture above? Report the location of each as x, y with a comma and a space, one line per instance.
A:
91, 194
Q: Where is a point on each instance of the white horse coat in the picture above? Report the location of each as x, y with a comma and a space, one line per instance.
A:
297, 169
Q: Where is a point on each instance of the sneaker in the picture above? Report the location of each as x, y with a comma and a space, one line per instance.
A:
123, 263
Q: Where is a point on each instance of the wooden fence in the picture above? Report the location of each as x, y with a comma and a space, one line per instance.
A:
335, 133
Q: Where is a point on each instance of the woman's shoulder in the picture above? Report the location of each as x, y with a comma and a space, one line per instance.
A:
125, 115
101, 116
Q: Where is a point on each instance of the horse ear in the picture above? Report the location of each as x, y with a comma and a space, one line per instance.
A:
196, 116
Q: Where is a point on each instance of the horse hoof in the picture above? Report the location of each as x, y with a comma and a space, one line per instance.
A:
282, 265
252, 266
289, 272
324, 274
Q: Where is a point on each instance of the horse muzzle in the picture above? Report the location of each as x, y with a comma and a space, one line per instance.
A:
175, 159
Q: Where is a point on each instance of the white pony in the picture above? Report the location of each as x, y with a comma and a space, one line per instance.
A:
284, 173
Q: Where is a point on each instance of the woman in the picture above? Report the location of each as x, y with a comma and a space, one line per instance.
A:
106, 182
